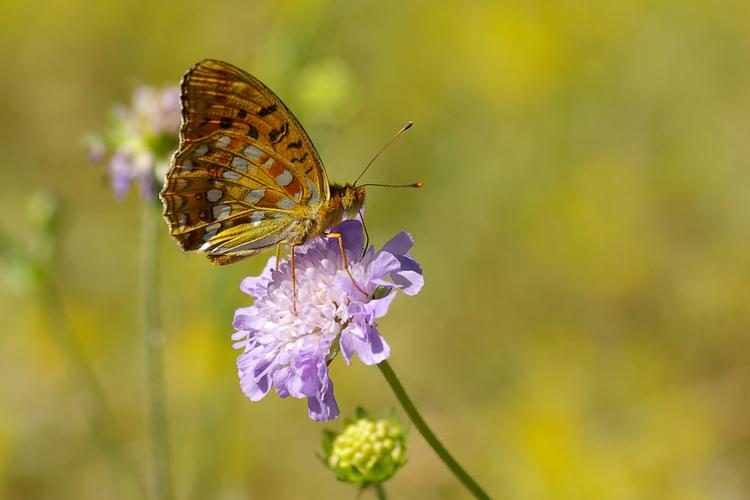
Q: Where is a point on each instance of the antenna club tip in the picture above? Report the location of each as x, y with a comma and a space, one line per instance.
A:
418, 184
408, 125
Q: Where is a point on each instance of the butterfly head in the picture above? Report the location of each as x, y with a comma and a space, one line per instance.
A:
352, 199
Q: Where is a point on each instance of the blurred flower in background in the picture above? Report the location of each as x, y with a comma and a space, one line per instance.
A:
367, 451
292, 351
140, 140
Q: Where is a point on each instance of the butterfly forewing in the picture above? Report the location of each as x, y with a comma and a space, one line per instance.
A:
246, 176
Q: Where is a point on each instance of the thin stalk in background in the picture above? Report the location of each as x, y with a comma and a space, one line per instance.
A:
423, 428
154, 345
39, 262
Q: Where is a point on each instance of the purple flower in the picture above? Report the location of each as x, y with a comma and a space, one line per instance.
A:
140, 140
292, 351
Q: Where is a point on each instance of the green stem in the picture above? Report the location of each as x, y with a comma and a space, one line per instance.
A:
427, 433
380, 491
154, 346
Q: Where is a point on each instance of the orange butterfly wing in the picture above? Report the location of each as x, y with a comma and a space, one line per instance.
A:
246, 176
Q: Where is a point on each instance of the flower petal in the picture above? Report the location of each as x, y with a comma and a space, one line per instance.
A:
280, 378
366, 342
351, 233
306, 379
120, 173
251, 283
254, 388
399, 244
410, 282
242, 318
379, 307
409, 264
323, 407
384, 264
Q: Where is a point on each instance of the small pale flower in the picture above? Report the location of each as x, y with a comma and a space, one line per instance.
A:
367, 451
140, 140
291, 352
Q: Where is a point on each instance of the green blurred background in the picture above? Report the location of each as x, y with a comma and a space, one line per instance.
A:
584, 229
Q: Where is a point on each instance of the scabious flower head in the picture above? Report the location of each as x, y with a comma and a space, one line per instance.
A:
367, 451
291, 352
140, 140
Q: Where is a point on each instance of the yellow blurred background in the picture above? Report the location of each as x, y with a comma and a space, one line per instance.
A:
584, 230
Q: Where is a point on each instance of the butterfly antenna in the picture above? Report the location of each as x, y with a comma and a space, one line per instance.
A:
403, 129
367, 234
417, 184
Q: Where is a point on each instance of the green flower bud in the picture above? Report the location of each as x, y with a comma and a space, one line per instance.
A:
366, 451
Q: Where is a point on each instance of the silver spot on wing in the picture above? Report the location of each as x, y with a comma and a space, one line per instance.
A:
255, 196
239, 163
284, 178
221, 211
213, 195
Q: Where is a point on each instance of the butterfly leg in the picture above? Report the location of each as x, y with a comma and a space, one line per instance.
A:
278, 254
294, 277
346, 262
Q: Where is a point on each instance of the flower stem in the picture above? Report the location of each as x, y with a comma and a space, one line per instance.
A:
432, 440
154, 344
380, 491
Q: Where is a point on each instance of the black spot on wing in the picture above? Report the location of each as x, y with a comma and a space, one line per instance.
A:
225, 122
267, 110
298, 160
275, 135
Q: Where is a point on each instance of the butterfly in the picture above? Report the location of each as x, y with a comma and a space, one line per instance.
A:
246, 176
